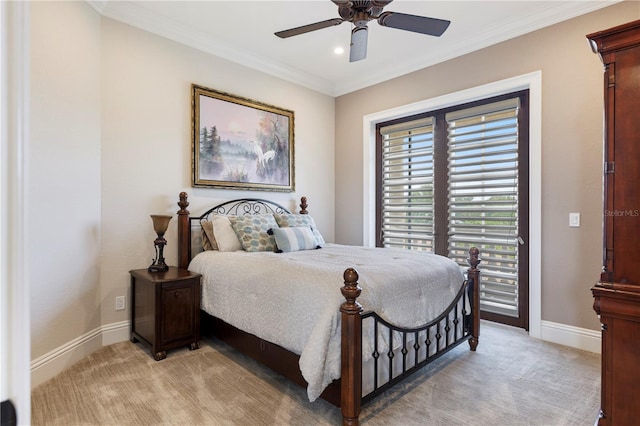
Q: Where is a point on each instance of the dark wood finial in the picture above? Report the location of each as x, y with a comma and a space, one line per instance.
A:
350, 291
473, 260
303, 205
183, 204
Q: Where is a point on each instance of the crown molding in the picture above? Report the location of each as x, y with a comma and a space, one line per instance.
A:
140, 17
98, 5
551, 15
137, 16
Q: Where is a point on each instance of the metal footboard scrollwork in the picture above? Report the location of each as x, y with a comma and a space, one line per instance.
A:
396, 353
406, 350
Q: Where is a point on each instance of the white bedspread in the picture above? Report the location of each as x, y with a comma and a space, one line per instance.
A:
293, 299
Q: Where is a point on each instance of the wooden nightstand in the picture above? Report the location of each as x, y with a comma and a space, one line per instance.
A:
165, 309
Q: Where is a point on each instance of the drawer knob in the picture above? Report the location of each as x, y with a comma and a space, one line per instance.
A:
177, 295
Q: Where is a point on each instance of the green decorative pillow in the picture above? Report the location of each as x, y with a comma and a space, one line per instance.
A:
294, 239
252, 231
297, 220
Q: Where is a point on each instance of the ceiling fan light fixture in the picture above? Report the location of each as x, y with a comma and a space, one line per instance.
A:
358, 50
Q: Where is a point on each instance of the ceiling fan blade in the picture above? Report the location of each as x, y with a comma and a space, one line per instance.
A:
417, 24
358, 44
308, 28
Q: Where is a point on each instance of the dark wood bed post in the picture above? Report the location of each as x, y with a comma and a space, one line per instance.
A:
351, 350
184, 236
303, 205
473, 273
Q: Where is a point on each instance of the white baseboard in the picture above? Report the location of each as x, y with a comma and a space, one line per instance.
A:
575, 337
115, 333
52, 363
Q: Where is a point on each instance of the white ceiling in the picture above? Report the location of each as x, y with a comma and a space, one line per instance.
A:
242, 31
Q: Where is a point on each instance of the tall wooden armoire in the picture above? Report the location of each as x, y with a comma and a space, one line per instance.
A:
617, 293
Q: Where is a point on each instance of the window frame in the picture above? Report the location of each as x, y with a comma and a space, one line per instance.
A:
530, 80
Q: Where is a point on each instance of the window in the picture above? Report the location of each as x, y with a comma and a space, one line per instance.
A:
455, 178
407, 185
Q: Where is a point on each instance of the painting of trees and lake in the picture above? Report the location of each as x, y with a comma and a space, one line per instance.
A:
239, 143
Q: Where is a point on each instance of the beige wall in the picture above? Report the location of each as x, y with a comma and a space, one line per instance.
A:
146, 145
64, 174
571, 146
111, 121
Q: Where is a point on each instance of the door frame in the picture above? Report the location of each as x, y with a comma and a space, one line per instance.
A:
15, 303
531, 81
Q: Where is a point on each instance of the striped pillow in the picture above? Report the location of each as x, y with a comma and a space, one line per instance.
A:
294, 239
293, 220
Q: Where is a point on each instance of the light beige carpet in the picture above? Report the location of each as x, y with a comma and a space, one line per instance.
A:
511, 380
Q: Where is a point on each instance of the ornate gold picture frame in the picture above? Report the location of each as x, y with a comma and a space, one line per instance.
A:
239, 143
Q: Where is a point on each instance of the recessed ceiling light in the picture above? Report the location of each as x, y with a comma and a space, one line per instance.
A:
338, 50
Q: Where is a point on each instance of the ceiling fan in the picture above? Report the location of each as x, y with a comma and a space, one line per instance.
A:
359, 13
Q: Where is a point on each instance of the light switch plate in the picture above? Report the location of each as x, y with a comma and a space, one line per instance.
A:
574, 220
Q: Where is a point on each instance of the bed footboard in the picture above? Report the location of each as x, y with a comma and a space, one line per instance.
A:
418, 347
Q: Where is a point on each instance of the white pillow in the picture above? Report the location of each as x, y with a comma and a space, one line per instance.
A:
226, 238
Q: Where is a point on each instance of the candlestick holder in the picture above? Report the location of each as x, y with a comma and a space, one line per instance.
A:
160, 225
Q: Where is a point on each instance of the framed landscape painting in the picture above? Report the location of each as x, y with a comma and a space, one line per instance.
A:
239, 143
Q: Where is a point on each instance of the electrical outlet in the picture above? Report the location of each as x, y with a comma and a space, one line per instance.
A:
119, 303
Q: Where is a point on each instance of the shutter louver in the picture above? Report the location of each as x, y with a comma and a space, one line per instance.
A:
483, 197
407, 185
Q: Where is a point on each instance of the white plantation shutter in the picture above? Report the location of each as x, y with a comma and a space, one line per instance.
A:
452, 181
407, 185
483, 197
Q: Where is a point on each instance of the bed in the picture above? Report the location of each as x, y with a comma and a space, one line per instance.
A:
325, 315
